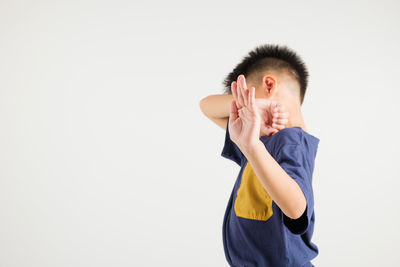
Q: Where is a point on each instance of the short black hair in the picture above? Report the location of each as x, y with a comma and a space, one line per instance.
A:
270, 56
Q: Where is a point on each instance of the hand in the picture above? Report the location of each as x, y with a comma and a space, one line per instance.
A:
244, 118
274, 116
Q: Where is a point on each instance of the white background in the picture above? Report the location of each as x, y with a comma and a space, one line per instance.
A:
107, 160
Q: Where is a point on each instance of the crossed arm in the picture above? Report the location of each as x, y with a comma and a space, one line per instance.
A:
243, 126
282, 188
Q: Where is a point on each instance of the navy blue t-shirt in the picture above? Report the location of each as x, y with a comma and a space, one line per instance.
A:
255, 230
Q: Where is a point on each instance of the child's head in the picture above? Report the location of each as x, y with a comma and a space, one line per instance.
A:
276, 72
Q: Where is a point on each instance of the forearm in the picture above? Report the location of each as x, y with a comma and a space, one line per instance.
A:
216, 106
286, 193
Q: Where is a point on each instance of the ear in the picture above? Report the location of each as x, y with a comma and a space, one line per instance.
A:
270, 85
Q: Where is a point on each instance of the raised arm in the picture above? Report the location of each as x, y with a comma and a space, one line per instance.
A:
274, 116
217, 108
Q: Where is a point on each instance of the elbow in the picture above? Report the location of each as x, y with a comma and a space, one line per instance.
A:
296, 215
298, 212
202, 105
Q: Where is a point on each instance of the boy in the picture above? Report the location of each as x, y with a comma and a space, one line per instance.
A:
269, 219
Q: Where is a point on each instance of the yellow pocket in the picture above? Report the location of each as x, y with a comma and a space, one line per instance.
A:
252, 201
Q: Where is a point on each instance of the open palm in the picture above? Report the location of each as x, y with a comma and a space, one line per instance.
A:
245, 122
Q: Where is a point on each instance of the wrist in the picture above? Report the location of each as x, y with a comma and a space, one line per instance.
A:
250, 149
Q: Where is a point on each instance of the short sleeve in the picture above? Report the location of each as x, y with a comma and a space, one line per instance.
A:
231, 150
293, 158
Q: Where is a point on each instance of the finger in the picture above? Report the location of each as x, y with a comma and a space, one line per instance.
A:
233, 112
232, 89
278, 126
245, 90
252, 98
239, 93
248, 98
280, 107
242, 89
244, 82
247, 95
234, 93
280, 121
279, 115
